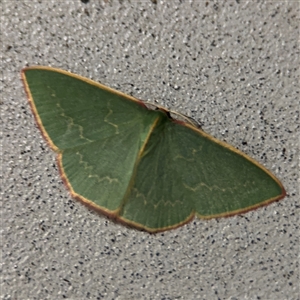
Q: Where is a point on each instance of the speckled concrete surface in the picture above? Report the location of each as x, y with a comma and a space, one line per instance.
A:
232, 66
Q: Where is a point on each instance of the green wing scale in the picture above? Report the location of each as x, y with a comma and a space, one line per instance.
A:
137, 165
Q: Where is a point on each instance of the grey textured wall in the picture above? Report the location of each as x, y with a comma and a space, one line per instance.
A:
231, 65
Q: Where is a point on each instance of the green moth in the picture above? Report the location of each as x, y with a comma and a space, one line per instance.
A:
137, 165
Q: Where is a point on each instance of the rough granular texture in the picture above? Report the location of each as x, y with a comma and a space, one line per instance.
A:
233, 67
